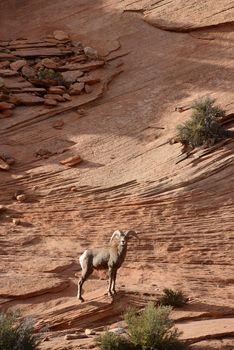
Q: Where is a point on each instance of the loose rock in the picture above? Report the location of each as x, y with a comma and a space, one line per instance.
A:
8, 73
59, 90
16, 221
74, 336
17, 65
29, 99
43, 153
28, 72
76, 88
60, 35
72, 76
5, 105
67, 97
49, 63
89, 332
21, 197
50, 103
58, 124
58, 98
4, 64
88, 89
6, 114
91, 53
4, 165
71, 161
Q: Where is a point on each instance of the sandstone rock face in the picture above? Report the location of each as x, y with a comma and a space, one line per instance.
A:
17, 65
131, 176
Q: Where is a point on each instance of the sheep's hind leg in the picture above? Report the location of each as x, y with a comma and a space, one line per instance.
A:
84, 276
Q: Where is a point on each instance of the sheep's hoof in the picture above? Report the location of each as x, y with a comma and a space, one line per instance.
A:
110, 294
80, 299
114, 292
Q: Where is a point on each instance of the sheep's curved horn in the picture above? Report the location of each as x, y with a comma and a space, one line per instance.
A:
115, 234
130, 233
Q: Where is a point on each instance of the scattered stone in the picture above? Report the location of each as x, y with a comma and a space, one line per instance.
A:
4, 64
73, 189
34, 89
21, 197
76, 88
4, 165
7, 56
67, 97
16, 221
89, 80
88, 89
71, 161
14, 99
17, 65
72, 76
58, 124
29, 99
50, 102
58, 90
58, 98
83, 67
60, 35
89, 332
49, 63
8, 73
41, 52
74, 336
118, 330
91, 53
2, 83
5, 105
28, 72
81, 111
43, 82
43, 153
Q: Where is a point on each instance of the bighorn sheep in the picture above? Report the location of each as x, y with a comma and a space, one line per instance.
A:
106, 258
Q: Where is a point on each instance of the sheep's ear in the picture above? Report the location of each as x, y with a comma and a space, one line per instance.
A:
115, 234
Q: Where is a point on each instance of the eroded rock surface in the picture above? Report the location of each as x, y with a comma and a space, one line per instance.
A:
130, 176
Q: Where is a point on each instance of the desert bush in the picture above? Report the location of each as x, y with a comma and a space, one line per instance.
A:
203, 127
153, 329
15, 334
50, 74
111, 341
173, 298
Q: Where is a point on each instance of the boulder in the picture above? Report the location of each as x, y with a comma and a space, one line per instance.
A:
60, 35
29, 99
28, 72
76, 88
17, 65
50, 102
72, 76
5, 105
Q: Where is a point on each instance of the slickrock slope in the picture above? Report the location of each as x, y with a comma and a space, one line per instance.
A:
130, 175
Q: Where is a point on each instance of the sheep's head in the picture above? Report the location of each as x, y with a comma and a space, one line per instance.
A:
123, 236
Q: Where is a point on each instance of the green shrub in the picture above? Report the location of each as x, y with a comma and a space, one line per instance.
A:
203, 128
173, 298
15, 334
111, 341
50, 74
153, 329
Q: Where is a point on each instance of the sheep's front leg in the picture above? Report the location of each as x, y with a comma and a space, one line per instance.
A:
110, 281
113, 283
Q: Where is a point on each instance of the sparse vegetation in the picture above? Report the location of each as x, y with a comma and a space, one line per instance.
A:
173, 298
153, 329
50, 74
203, 128
111, 341
15, 334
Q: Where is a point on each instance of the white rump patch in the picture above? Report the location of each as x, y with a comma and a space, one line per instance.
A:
82, 258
